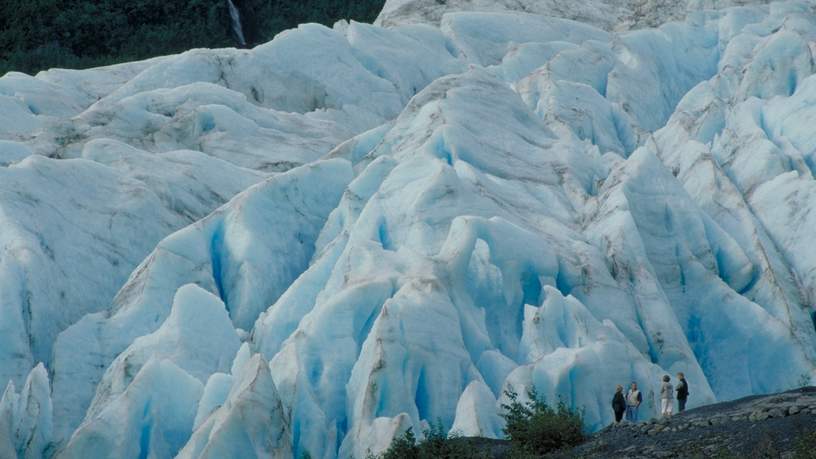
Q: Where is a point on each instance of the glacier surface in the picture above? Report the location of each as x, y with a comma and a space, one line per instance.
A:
316, 244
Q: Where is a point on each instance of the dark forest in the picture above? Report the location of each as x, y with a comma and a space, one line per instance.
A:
42, 34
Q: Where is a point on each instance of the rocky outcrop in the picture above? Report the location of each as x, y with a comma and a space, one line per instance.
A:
770, 425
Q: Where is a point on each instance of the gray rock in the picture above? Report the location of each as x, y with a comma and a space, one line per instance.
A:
776, 413
707, 432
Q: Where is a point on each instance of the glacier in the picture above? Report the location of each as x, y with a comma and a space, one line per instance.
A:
315, 244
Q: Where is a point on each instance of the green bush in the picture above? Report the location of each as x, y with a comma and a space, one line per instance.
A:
535, 428
402, 447
436, 445
532, 427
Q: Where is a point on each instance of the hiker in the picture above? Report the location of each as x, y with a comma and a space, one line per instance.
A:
682, 392
618, 404
666, 397
633, 400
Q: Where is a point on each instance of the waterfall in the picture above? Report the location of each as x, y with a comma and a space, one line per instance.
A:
236, 23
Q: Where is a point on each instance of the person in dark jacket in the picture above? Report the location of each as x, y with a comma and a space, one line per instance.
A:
619, 404
682, 392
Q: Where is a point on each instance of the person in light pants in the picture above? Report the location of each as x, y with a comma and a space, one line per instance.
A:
666, 397
633, 400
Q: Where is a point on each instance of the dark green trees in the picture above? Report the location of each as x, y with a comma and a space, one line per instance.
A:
535, 428
40, 34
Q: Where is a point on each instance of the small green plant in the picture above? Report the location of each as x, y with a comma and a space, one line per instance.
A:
535, 428
436, 442
403, 447
435, 445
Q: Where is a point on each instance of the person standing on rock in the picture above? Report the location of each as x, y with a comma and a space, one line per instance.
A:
618, 404
666, 397
682, 392
633, 400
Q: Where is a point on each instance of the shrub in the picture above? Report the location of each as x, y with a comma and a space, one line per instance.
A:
436, 445
535, 428
402, 447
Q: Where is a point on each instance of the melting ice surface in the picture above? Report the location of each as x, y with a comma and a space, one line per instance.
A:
318, 243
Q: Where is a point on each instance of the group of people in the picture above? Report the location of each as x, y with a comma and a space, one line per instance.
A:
629, 402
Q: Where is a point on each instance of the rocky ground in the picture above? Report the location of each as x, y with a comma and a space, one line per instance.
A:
765, 426
760, 426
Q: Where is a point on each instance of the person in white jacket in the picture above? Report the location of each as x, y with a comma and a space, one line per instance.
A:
666, 397
633, 400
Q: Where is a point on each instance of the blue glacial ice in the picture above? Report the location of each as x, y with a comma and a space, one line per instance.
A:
316, 244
